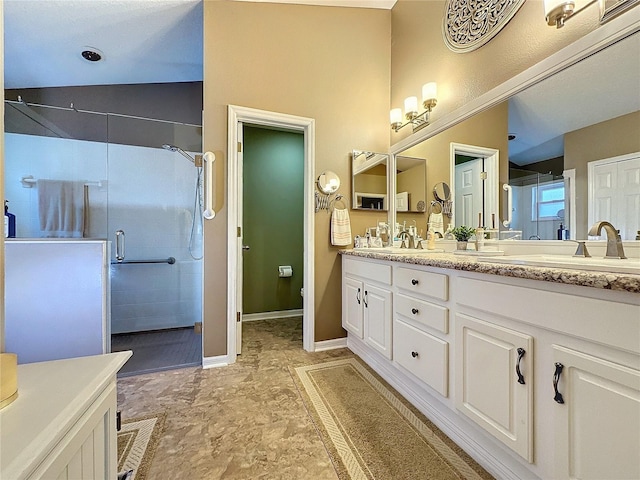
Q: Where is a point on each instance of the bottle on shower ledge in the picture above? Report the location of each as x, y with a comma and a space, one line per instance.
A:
9, 222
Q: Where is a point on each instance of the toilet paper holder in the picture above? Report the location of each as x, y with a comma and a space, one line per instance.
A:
285, 271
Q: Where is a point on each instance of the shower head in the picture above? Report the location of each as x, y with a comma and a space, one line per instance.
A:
173, 148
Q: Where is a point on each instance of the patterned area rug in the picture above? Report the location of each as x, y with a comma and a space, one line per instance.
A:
371, 432
137, 441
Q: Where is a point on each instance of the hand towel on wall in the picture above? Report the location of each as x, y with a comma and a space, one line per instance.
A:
437, 223
340, 227
61, 208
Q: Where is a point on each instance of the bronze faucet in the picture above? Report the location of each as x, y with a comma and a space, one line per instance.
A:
614, 242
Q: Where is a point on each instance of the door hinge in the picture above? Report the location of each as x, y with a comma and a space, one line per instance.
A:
238, 317
239, 232
239, 147
483, 175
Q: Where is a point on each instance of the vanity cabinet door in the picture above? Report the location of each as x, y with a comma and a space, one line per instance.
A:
377, 319
598, 424
494, 381
352, 306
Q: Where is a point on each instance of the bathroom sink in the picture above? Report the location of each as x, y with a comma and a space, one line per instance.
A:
600, 264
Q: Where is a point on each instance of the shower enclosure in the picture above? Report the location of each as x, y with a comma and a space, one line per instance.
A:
143, 198
539, 205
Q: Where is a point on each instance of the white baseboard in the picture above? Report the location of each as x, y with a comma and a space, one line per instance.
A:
252, 317
500, 466
215, 362
330, 344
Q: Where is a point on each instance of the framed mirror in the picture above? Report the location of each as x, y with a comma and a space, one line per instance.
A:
328, 182
549, 132
369, 180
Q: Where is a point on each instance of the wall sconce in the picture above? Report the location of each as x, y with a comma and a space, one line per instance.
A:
558, 11
411, 114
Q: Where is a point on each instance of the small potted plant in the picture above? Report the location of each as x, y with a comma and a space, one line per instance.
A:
462, 235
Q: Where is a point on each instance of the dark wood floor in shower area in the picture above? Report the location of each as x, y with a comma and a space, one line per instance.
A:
158, 350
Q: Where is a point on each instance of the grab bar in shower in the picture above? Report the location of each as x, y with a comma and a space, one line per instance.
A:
170, 261
119, 245
209, 158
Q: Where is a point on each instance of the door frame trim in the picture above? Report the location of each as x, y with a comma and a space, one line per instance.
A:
491, 162
237, 115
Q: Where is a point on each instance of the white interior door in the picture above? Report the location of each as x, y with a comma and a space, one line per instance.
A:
614, 193
240, 246
468, 192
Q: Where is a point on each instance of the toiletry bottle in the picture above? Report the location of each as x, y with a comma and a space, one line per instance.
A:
560, 235
9, 222
479, 239
431, 239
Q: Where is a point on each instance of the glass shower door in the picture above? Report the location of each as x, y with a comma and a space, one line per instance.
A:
156, 260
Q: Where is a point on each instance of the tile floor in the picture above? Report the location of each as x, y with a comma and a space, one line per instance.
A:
244, 421
158, 350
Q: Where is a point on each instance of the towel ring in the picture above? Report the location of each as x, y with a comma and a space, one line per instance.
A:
434, 203
332, 203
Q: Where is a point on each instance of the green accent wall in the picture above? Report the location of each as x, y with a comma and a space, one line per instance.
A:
273, 219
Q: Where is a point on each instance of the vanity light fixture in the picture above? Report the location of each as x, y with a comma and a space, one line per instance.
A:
411, 114
558, 11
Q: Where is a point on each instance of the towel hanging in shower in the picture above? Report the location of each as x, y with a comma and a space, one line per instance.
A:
340, 227
62, 206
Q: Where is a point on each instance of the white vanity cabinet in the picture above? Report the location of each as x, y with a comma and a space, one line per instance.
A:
596, 413
421, 324
494, 381
366, 306
63, 423
477, 353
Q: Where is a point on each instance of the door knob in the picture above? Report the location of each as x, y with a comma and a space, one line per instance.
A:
246, 247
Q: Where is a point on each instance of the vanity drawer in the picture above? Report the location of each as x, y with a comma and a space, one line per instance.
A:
425, 313
375, 272
423, 355
423, 283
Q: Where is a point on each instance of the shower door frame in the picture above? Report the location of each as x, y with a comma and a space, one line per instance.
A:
238, 116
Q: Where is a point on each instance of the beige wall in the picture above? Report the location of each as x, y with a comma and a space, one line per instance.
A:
488, 129
330, 64
339, 66
612, 138
419, 55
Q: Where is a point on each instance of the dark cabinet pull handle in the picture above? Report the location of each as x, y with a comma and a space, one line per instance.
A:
358, 296
366, 294
556, 377
414, 354
414, 281
521, 353
414, 311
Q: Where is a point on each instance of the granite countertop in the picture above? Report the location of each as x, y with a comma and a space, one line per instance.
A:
595, 279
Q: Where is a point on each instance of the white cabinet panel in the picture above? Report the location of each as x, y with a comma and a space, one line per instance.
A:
352, 306
425, 313
423, 355
422, 283
377, 319
598, 425
494, 381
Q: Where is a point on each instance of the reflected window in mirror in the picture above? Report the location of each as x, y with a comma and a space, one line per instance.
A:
369, 180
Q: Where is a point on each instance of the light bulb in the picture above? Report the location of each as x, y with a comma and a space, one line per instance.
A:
411, 107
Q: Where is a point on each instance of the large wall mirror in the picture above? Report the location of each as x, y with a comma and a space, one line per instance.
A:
548, 137
369, 180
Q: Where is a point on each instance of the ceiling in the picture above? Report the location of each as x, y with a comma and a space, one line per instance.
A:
601, 87
158, 41
142, 41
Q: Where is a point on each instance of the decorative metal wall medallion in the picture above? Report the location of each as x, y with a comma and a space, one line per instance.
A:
469, 24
